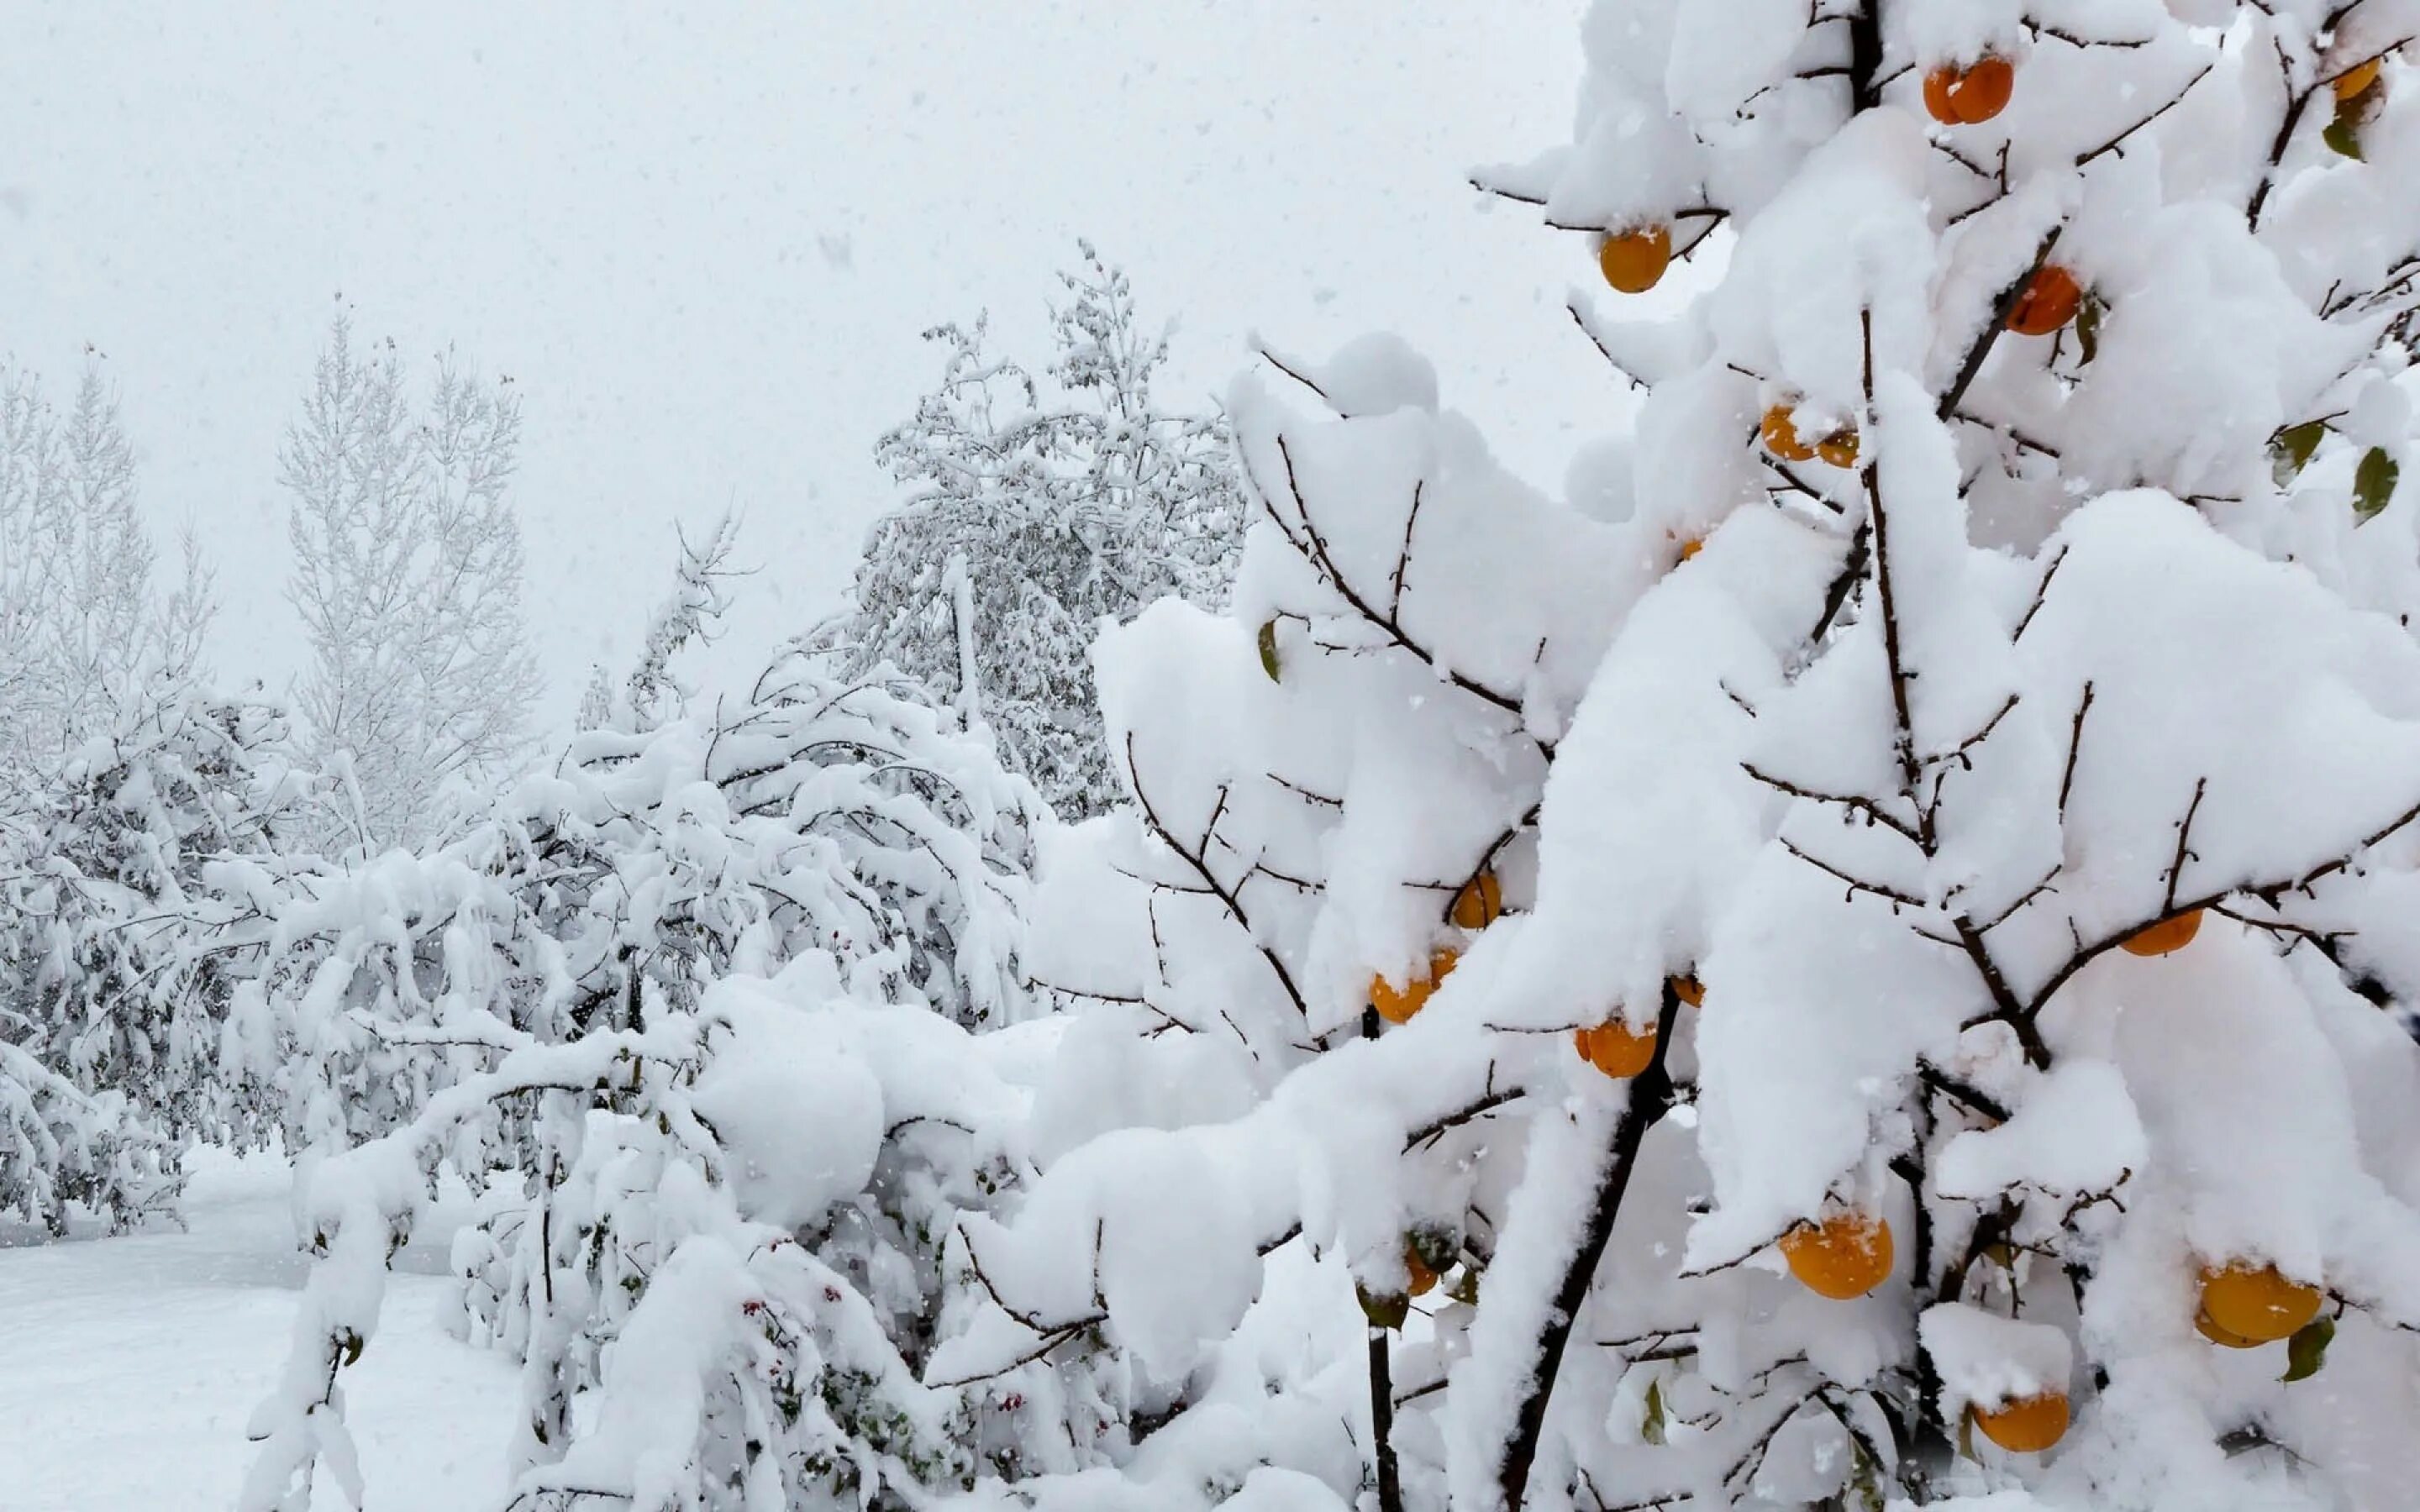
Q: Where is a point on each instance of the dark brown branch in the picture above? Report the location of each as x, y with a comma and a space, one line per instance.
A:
2302, 882
1382, 1381
1403, 557
2072, 40
2075, 748
1032, 1324
1477, 1108
2295, 106
1751, 1459
1050, 1342
1305, 794
1963, 1091
1624, 374
2049, 880
1200, 866
1794, 483
2360, 982
2116, 143
1853, 569
1866, 56
2293, 933
1651, 1098
2004, 1005
1957, 752
1989, 334
1406, 1399
2025, 442
1218, 812
1344, 589
1282, 365
1487, 857
2184, 835
2041, 590
1484, 188
1866, 807
1897, 899
1878, 518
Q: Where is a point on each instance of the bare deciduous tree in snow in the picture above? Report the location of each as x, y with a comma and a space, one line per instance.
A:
82, 628
408, 578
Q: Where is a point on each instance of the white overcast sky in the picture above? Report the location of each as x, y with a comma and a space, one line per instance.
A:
703, 239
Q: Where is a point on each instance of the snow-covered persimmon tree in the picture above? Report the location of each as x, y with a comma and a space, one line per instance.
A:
1951, 772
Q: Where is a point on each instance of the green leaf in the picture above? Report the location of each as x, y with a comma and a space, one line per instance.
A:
1865, 1479
2088, 325
1966, 1435
1652, 1427
2344, 135
2292, 449
2373, 483
2308, 1350
1269, 648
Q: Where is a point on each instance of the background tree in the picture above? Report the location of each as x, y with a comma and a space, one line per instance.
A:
1030, 519
407, 575
83, 628
654, 692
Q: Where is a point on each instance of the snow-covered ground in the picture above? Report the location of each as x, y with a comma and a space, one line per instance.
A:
128, 1366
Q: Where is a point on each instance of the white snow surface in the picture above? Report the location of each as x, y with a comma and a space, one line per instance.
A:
130, 1364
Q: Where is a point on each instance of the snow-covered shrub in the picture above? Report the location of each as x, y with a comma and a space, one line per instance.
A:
124, 954
1951, 769
61, 1146
1030, 519
738, 1199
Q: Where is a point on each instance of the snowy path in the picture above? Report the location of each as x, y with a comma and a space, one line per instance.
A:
128, 1366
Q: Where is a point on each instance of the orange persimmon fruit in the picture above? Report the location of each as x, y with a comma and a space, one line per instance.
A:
1972, 94
1845, 1255
1634, 261
2171, 933
1397, 1005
